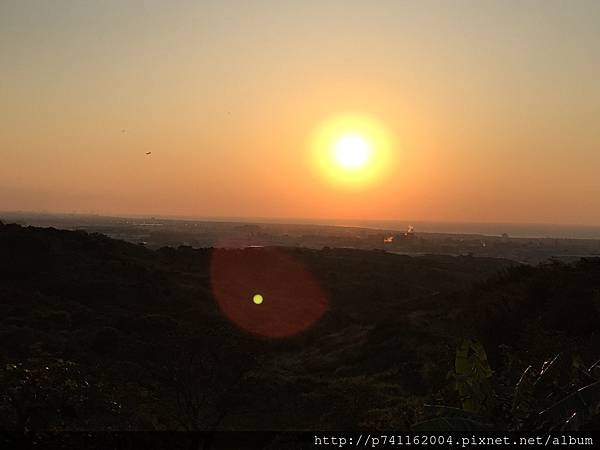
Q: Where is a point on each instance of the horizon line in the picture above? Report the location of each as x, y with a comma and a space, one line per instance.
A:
289, 220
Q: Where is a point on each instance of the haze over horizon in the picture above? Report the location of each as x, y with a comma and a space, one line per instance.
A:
474, 111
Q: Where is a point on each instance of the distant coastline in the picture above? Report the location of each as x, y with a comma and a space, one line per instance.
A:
515, 230
489, 229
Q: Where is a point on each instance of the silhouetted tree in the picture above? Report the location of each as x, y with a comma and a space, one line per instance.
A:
209, 376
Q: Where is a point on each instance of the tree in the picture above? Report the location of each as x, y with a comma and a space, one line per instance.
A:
208, 376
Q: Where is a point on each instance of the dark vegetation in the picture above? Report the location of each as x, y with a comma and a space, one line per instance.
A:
100, 334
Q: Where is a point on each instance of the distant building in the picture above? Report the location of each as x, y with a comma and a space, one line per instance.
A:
410, 232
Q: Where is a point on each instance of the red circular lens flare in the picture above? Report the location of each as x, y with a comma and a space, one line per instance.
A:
293, 299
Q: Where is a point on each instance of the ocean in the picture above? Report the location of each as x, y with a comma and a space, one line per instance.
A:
491, 229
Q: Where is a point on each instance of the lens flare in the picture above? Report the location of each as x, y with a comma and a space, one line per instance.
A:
295, 298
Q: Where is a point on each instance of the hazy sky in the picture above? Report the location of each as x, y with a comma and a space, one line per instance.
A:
492, 108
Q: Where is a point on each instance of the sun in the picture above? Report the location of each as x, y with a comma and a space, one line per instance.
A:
352, 151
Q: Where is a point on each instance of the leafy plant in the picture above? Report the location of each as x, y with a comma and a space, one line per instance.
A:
473, 377
538, 401
47, 393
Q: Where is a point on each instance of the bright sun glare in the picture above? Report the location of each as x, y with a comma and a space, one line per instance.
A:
352, 151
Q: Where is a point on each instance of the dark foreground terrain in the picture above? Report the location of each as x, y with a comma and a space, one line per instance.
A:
100, 334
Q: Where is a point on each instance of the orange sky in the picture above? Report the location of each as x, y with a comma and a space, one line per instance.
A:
491, 108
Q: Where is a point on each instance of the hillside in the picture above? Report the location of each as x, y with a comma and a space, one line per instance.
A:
97, 333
